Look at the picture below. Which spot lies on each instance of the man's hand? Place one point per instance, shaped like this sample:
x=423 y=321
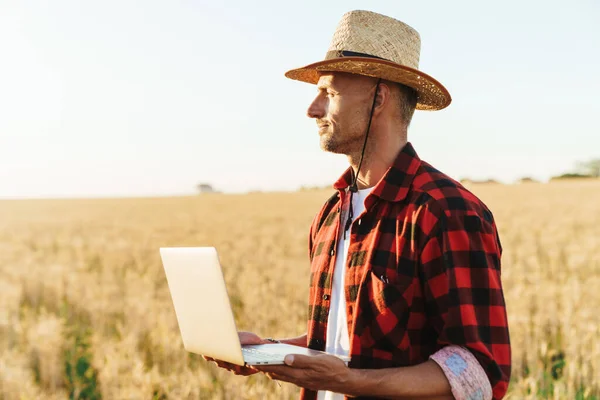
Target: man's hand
x=322 y=372
x=245 y=338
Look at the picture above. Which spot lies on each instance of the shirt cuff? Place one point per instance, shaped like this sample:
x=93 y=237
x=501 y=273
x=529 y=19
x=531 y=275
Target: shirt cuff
x=467 y=378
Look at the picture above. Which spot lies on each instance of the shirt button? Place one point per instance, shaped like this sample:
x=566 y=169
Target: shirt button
x=332 y=252
x=359 y=221
x=325 y=297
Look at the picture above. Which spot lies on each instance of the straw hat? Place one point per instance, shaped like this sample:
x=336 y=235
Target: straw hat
x=371 y=44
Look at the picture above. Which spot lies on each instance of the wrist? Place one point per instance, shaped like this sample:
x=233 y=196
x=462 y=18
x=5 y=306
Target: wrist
x=353 y=382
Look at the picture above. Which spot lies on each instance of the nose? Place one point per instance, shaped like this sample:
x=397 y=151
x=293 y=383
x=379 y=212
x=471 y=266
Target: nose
x=316 y=108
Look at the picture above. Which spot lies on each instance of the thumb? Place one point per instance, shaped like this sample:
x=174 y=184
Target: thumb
x=298 y=360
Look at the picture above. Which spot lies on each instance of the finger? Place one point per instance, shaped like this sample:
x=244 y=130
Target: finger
x=243 y=371
x=221 y=364
x=269 y=368
x=246 y=373
x=236 y=369
x=301 y=361
x=226 y=365
x=281 y=377
x=280 y=371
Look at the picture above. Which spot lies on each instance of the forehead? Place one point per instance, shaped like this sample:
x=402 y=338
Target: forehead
x=340 y=80
x=325 y=80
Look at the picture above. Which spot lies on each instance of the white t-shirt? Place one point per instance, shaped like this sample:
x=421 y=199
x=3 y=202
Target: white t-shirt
x=338 y=339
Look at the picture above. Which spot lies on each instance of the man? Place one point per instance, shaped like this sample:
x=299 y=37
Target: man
x=405 y=262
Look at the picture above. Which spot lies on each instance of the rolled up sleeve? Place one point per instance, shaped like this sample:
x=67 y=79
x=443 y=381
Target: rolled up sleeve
x=463 y=292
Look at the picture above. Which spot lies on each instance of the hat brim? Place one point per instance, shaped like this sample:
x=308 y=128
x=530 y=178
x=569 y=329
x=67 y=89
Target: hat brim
x=431 y=95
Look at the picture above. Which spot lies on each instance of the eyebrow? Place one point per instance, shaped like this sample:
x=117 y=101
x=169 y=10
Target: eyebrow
x=323 y=87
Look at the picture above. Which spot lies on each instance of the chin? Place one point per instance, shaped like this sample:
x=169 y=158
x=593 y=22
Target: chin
x=331 y=147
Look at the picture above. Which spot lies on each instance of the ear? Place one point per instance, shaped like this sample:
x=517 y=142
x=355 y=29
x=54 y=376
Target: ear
x=384 y=96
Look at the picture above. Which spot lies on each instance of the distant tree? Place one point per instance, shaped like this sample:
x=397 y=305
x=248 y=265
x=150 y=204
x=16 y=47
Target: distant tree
x=205 y=188
x=308 y=188
x=469 y=181
x=584 y=169
x=590 y=168
x=527 y=179
x=489 y=181
x=570 y=175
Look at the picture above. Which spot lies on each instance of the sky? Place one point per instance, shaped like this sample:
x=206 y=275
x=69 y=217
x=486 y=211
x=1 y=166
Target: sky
x=150 y=98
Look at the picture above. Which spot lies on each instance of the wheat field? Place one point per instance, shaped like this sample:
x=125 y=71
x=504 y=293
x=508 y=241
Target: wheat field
x=85 y=311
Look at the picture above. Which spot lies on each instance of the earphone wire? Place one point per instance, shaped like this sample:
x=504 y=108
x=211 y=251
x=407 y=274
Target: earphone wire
x=353 y=187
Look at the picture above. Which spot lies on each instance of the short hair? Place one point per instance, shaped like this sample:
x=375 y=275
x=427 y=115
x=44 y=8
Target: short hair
x=407 y=102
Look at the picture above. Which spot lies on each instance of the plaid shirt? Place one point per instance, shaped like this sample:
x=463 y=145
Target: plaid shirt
x=423 y=272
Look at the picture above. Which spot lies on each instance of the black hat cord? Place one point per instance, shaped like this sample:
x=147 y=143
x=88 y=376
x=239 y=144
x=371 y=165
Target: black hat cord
x=353 y=187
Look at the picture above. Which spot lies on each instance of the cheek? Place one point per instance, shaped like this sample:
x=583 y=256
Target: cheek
x=333 y=110
x=357 y=117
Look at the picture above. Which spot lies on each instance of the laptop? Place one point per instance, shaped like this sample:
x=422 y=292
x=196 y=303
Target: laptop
x=204 y=314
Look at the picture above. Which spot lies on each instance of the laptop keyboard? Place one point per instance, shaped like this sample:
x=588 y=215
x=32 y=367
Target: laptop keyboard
x=259 y=355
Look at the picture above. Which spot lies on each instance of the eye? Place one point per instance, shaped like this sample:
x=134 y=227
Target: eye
x=330 y=94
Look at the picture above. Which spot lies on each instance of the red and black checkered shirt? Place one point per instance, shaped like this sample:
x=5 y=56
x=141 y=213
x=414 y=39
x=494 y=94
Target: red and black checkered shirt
x=423 y=272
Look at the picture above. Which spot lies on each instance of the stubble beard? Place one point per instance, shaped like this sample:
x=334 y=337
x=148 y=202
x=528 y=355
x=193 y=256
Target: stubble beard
x=337 y=143
x=330 y=143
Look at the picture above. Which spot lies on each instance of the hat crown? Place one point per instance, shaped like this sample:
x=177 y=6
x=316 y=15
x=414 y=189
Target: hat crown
x=371 y=44
x=378 y=35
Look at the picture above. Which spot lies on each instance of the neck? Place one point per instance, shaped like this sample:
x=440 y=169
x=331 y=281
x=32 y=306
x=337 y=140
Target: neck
x=381 y=152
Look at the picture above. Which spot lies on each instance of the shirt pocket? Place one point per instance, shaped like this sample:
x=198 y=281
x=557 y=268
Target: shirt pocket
x=389 y=313
x=387 y=294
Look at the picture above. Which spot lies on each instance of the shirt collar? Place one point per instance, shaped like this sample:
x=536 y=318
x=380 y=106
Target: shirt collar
x=395 y=184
